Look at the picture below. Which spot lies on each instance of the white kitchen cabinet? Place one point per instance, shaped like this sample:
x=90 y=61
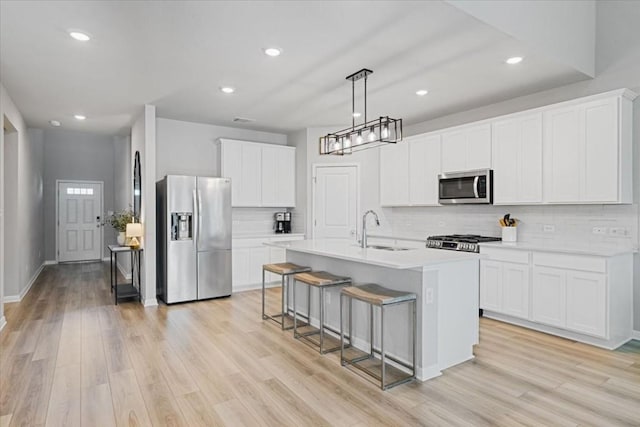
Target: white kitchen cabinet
x=394 y=174
x=516 y=147
x=587 y=150
x=409 y=172
x=467 y=148
x=504 y=287
x=586 y=302
x=262 y=175
x=250 y=254
x=548 y=304
x=278 y=176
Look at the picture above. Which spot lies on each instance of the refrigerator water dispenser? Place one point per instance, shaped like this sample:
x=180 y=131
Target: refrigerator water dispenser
x=181 y=226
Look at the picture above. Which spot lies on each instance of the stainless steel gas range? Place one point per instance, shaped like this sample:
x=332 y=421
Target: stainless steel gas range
x=459 y=242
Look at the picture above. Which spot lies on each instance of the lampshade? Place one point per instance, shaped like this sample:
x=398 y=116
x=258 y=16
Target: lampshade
x=134 y=229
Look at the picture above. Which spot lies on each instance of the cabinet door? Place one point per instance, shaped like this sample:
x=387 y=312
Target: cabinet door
x=276 y=255
x=491 y=285
x=270 y=176
x=562 y=150
x=506 y=154
x=257 y=258
x=478 y=150
x=599 y=126
x=586 y=303
x=549 y=296
x=240 y=267
x=454 y=151
x=394 y=174
x=286 y=177
x=515 y=290
x=250 y=193
x=231 y=167
x=530 y=159
x=424 y=167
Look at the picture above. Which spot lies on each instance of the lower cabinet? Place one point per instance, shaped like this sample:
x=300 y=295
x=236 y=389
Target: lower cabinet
x=504 y=287
x=549 y=296
x=249 y=254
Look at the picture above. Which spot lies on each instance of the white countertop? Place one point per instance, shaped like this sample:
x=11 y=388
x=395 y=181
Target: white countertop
x=350 y=251
x=413 y=238
x=585 y=249
x=264 y=235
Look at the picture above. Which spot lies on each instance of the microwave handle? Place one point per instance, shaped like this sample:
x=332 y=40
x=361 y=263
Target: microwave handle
x=475 y=186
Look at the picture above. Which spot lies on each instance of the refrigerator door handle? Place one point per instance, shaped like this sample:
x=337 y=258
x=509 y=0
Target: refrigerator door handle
x=199 y=219
x=196 y=224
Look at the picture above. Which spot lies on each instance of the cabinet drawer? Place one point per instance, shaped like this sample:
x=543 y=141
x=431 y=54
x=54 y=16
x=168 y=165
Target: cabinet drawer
x=573 y=262
x=508 y=255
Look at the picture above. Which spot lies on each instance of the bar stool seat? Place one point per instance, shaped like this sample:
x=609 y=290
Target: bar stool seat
x=378 y=296
x=284 y=270
x=320 y=280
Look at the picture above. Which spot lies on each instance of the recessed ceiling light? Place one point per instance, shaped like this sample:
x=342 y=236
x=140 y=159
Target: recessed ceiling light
x=422 y=92
x=514 y=60
x=356 y=114
x=55 y=123
x=79 y=36
x=80 y=117
x=227 y=89
x=272 y=51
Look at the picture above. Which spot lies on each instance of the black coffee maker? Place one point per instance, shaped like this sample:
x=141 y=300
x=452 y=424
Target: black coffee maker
x=282 y=222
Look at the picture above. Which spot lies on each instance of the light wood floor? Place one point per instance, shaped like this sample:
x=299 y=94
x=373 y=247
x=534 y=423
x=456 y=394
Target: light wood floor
x=68 y=356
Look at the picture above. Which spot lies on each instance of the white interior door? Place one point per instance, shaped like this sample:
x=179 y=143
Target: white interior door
x=79 y=215
x=335 y=202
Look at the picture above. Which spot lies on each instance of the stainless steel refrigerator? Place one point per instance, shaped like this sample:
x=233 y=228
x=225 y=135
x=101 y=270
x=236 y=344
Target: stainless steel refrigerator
x=194 y=238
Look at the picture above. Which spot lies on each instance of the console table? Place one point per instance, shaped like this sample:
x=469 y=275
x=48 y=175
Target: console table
x=129 y=289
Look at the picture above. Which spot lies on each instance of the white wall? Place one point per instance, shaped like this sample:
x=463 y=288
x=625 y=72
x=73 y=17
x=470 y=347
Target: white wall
x=123 y=184
x=29 y=207
x=74 y=155
x=187 y=148
x=143 y=139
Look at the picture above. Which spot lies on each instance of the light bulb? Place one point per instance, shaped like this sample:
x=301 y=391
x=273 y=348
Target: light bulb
x=359 y=138
x=372 y=135
x=347 y=142
x=385 y=131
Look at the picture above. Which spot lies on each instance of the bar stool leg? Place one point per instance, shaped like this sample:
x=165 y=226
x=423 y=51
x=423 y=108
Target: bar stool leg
x=295 y=311
x=321 y=320
x=384 y=370
x=350 y=320
x=341 y=333
x=415 y=336
x=282 y=294
x=371 y=327
x=263 y=296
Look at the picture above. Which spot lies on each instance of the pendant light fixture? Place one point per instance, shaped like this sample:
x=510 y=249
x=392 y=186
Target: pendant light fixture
x=368 y=134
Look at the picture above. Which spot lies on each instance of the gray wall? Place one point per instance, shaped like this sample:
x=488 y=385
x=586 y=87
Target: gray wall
x=186 y=148
x=76 y=156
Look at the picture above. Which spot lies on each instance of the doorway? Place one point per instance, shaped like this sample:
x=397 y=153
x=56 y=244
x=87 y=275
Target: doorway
x=79 y=210
x=336 y=199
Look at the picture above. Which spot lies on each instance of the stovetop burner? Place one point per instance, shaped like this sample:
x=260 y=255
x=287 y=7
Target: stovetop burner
x=459 y=242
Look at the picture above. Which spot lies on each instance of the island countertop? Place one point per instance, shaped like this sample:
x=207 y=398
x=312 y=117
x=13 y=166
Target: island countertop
x=351 y=251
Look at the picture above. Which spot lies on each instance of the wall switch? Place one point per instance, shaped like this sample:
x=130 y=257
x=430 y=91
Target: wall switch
x=428 y=296
x=618 y=231
x=549 y=228
x=599 y=230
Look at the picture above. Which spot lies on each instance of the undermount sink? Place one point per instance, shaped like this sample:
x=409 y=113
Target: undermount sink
x=387 y=248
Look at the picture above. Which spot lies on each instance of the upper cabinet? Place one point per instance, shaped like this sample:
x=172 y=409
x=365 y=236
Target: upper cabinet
x=587 y=150
x=516 y=147
x=262 y=175
x=409 y=172
x=467 y=148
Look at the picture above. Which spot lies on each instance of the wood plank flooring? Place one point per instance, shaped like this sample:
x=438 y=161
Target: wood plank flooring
x=68 y=356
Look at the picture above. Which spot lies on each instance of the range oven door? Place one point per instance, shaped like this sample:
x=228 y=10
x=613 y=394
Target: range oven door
x=466 y=187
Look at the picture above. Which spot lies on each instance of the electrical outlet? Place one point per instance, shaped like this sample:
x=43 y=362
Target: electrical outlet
x=599 y=230
x=549 y=228
x=429 y=296
x=618 y=231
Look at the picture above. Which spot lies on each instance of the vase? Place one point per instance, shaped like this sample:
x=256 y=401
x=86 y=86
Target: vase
x=121 y=238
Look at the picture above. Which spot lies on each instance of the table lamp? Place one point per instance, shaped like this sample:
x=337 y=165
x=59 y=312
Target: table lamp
x=134 y=231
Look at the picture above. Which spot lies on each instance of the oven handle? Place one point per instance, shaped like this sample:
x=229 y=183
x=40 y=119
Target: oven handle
x=475 y=186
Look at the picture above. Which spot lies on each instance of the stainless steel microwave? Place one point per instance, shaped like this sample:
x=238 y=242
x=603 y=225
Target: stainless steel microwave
x=474 y=186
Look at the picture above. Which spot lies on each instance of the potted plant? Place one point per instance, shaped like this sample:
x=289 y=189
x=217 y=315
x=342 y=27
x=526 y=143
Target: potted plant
x=119 y=220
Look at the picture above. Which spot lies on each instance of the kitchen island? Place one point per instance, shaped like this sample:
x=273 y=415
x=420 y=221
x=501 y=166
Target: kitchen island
x=446 y=284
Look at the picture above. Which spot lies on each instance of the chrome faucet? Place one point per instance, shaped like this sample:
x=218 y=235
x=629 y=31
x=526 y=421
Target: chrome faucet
x=363 y=242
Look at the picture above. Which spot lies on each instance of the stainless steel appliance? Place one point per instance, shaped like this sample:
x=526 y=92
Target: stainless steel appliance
x=459 y=242
x=194 y=238
x=282 y=222
x=474 y=186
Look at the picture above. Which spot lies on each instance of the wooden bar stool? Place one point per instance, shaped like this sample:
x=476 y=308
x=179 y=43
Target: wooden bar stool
x=376 y=295
x=320 y=280
x=284 y=269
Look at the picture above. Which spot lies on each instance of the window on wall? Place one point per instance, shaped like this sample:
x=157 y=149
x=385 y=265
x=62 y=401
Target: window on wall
x=80 y=191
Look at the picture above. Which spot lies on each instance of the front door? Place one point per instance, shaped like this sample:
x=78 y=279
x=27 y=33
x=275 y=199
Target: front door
x=335 y=202
x=79 y=221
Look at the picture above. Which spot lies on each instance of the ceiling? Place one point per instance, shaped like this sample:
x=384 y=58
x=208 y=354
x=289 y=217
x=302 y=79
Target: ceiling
x=176 y=55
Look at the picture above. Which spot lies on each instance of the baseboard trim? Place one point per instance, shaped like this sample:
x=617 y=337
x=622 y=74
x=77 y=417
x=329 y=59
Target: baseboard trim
x=635 y=335
x=50 y=262
x=3 y=322
x=18 y=298
x=150 y=302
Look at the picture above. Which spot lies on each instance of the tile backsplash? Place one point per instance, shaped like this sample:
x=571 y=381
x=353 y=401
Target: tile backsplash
x=256 y=220
x=554 y=224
